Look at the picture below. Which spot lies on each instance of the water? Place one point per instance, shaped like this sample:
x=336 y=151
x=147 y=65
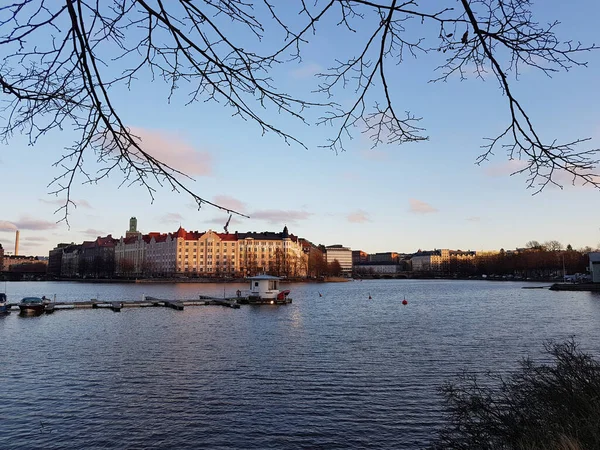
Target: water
x=337 y=371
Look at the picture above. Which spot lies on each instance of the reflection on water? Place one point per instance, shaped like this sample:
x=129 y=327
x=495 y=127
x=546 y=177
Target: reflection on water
x=331 y=371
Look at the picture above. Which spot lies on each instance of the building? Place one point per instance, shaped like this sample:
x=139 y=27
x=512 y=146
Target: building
x=69 y=265
x=55 y=260
x=316 y=265
x=23 y=263
x=595 y=266
x=377 y=268
x=343 y=255
x=440 y=260
x=280 y=254
x=359 y=257
x=97 y=258
x=387 y=257
x=211 y=254
x=1 y=258
x=132 y=231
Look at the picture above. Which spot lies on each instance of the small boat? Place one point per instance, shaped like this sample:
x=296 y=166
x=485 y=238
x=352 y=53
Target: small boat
x=264 y=289
x=4 y=308
x=32 y=305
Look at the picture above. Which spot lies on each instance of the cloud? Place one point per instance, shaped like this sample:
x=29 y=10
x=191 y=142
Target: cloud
x=93 y=232
x=279 y=216
x=7 y=226
x=230 y=203
x=306 y=71
x=419 y=207
x=171 y=217
x=358 y=216
x=374 y=154
x=61 y=202
x=174 y=151
x=507 y=168
x=27 y=223
x=34 y=239
x=473 y=219
x=223 y=220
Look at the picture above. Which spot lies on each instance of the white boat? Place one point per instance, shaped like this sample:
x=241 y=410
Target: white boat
x=265 y=289
x=4 y=308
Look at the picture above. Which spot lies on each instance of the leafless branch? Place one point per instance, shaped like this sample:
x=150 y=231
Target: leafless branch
x=59 y=58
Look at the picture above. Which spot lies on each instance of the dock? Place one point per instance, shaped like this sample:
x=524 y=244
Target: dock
x=147 y=302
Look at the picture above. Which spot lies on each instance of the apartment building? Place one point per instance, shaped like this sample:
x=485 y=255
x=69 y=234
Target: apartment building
x=343 y=255
x=209 y=253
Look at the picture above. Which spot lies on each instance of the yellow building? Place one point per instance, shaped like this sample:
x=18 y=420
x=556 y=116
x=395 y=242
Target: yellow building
x=212 y=254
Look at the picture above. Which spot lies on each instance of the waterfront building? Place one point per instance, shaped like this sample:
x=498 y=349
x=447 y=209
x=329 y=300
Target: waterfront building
x=55 y=259
x=69 y=265
x=11 y=262
x=1 y=258
x=359 y=257
x=97 y=258
x=387 y=257
x=343 y=255
x=377 y=268
x=211 y=254
x=280 y=254
x=595 y=266
x=439 y=260
x=160 y=256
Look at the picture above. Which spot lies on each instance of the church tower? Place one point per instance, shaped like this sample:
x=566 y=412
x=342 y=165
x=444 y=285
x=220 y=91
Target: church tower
x=133 y=231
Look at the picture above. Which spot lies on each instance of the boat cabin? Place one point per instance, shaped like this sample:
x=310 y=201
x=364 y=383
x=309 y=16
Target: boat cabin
x=264 y=287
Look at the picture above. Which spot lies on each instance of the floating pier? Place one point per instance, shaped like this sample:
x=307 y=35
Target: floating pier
x=116 y=306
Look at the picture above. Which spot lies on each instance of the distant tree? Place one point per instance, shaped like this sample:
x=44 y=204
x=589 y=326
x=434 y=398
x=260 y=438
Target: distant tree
x=334 y=268
x=569 y=248
x=553 y=246
x=534 y=245
x=541 y=406
x=64 y=64
x=126 y=267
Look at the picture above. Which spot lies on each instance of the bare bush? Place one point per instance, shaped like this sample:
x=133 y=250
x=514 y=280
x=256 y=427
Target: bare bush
x=550 y=406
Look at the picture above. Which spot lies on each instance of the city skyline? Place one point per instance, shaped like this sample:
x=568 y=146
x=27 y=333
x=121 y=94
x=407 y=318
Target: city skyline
x=403 y=198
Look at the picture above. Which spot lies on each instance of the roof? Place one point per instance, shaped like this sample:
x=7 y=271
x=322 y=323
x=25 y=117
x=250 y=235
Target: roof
x=264 y=277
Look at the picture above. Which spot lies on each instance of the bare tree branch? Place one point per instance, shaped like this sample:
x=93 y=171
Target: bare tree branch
x=58 y=71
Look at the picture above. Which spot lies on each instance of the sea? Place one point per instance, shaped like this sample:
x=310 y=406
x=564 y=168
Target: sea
x=344 y=366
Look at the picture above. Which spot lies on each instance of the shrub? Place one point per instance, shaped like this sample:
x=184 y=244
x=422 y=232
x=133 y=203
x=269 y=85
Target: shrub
x=554 y=406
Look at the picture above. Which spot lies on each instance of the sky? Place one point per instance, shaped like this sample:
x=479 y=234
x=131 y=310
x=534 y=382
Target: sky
x=401 y=198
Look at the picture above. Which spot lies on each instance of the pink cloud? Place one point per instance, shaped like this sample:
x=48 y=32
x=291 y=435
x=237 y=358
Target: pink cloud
x=230 y=203
x=27 y=223
x=93 y=232
x=223 y=220
x=506 y=168
x=171 y=217
x=358 y=216
x=173 y=150
x=5 y=225
x=278 y=216
x=419 y=207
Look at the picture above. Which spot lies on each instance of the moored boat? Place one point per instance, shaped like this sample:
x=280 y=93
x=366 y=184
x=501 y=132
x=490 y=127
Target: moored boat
x=32 y=305
x=264 y=289
x=4 y=308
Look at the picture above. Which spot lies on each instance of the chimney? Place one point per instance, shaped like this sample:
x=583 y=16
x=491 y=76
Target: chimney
x=17 y=243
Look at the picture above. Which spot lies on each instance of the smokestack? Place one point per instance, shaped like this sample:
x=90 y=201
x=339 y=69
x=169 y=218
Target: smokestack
x=17 y=243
